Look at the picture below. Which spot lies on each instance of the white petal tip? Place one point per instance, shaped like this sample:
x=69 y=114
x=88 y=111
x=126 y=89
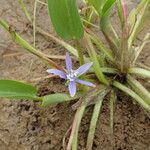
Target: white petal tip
x=47 y=70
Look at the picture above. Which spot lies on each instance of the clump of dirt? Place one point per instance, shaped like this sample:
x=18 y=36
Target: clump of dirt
x=26 y=125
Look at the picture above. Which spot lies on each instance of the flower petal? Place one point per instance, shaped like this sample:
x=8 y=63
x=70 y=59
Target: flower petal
x=83 y=69
x=68 y=62
x=57 y=72
x=85 y=83
x=72 y=88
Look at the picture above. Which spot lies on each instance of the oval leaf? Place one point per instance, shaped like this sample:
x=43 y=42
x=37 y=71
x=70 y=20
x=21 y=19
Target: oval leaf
x=17 y=90
x=55 y=98
x=65 y=18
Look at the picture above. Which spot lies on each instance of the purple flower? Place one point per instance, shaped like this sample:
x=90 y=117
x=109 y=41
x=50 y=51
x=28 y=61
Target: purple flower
x=72 y=76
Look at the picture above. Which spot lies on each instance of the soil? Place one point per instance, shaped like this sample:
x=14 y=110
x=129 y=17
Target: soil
x=25 y=125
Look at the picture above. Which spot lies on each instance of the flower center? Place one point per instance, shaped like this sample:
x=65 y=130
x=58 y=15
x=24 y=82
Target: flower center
x=72 y=75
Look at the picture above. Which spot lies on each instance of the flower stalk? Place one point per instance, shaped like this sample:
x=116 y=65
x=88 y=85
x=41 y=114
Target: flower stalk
x=95 y=61
x=23 y=43
x=125 y=57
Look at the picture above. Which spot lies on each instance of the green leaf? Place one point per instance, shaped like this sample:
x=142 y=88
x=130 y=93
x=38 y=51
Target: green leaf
x=17 y=90
x=138 y=99
x=93 y=123
x=65 y=18
x=105 y=23
x=94 y=119
x=24 y=8
x=107 y=7
x=113 y=99
x=23 y=43
x=137 y=19
x=139 y=71
x=93 y=56
x=139 y=89
x=55 y=98
x=102 y=47
x=73 y=140
x=97 y=4
x=106 y=26
x=135 y=13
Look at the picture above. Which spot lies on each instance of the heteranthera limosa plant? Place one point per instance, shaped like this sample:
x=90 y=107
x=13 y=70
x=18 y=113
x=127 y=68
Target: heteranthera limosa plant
x=114 y=65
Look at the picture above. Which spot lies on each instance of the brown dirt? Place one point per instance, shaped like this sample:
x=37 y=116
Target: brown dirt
x=25 y=125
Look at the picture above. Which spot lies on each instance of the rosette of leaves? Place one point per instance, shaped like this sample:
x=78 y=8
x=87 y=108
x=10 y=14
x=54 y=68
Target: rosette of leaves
x=115 y=67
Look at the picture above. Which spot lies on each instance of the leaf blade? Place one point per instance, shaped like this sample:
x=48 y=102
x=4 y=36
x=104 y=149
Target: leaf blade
x=139 y=88
x=97 y=4
x=132 y=94
x=17 y=90
x=54 y=99
x=139 y=71
x=65 y=18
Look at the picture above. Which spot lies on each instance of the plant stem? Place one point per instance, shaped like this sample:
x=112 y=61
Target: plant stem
x=106 y=26
x=89 y=23
x=43 y=3
x=101 y=46
x=132 y=94
x=39 y=98
x=28 y=47
x=140 y=13
x=137 y=53
x=24 y=8
x=75 y=128
x=67 y=46
x=80 y=54
x=96 y=111
x=34 y=23
x=96 y=64
x=113 y=98
x=70 y=48
x=125 y=60
x=81 y=61
x=139 y=88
